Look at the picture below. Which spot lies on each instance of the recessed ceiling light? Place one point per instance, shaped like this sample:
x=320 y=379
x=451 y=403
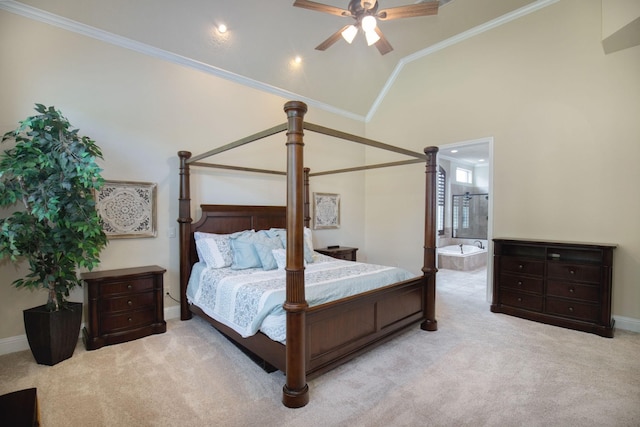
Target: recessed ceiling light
x=454 y=151
x=298 y=59
x=222 y=28
x=481 y=160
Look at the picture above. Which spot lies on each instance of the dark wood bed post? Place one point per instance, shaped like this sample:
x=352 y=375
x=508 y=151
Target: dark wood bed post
x=295 y=392
x=306 y=210
x=429 y=270
x=184 y=219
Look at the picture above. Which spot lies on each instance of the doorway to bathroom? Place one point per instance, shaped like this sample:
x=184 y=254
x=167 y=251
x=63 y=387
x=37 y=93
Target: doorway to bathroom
x=465 y=213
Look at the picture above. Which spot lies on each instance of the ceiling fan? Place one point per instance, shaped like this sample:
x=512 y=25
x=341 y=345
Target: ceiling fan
x=366 y=13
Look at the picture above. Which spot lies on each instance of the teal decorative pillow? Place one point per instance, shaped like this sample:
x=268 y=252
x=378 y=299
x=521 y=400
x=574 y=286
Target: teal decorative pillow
x=264 y=245
x=244 y=254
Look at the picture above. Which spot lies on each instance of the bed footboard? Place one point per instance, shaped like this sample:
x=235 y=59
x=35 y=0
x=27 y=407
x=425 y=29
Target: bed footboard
x=341 y=330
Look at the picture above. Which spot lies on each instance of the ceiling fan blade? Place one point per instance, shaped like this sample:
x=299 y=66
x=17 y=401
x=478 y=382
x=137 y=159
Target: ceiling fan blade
x=331 y=40
x=320 y=7
x=383 y=44
x=410 y=11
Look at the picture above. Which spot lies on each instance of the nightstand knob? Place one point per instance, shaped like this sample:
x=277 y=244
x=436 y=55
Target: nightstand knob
x=572 y=271
x=519 y=282
x=570 y=309
x=520 y=266
x=130 y=319
x=519 y=299
x=571 y=290
x=129 y=303
x=129 y=286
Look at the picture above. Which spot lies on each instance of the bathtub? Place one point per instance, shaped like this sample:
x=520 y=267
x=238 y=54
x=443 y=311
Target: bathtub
x=469 y=258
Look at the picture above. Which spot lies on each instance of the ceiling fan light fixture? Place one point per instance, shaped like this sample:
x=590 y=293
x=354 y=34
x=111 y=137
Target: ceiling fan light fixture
x=368 y=24
x=350 y=33
x=372 y=37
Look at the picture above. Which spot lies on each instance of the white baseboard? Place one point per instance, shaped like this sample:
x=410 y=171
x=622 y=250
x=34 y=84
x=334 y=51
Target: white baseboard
x=627 y=323
x=20 y=343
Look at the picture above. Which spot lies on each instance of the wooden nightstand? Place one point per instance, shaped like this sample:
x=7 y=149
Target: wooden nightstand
x=123 y=305
x=342 y=252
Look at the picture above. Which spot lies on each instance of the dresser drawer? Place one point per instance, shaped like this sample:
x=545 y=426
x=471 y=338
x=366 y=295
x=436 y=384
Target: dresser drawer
x=127 y=320
x=127 y=302
x=522 y=266
x=577 y=310
x=522 y=283
x=573 y=290
x=522 y=300
x=134 y=285
x=580 y=272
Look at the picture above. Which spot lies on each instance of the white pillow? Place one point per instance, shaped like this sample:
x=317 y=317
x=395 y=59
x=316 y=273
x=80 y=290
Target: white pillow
x=215 y=249
x=280 y=256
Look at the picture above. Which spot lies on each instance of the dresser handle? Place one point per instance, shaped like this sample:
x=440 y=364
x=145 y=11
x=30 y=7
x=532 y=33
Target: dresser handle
x=129 y=286
x=130 y=320
x=519 y=282
x=570 y=309
x=572 y=271
x=520 y=266
x=571 y=290
x=129 y=303
x=519 y=299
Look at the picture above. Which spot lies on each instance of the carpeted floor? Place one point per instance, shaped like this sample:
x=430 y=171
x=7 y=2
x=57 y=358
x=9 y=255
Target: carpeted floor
x=478 y=369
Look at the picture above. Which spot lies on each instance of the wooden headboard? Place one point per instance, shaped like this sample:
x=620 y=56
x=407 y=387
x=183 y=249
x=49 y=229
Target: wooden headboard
x=226 y=219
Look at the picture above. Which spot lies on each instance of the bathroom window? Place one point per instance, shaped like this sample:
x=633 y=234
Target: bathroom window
x=464 y=176
x=442 y=181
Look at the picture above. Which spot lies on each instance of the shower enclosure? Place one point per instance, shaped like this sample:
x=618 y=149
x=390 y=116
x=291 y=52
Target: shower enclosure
x=470 y=216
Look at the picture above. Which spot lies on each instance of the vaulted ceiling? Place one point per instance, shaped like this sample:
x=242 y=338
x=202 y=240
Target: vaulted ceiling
x=264 y=37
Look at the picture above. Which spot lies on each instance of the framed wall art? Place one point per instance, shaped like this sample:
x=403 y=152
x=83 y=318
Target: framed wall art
x=127 y=209
x=326 y=211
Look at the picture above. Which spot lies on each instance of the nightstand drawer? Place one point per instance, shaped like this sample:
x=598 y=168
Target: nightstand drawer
x=522 y=283
x=127 y=320
x=127 y=302
x=572 y=290
x=127 y=286
x=342 y=252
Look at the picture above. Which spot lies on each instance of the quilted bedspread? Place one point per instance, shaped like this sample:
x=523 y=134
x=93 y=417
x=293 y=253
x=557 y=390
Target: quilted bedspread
x=251 y=300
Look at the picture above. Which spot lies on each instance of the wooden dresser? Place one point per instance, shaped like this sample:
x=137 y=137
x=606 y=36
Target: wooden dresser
x=341 y=252
x=123 y=305
x=565 y=284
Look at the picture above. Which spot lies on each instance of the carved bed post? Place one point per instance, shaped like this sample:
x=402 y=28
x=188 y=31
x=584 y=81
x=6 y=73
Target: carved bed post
x=429 y=270
x=306 y=210
x=184 y=219
x=295 y=392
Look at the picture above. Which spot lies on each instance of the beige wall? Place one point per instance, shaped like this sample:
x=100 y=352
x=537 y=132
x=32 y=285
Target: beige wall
x=564 y=118
x=141 y=111
x=562 y=114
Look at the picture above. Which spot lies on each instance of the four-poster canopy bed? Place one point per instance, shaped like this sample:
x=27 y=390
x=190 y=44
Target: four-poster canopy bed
x=320 y=337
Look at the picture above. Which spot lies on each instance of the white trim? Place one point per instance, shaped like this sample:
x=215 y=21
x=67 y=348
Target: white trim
x=627 y=323
x=105 y=36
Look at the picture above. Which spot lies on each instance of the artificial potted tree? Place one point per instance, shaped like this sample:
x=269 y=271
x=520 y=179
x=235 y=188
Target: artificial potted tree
x=52 y=171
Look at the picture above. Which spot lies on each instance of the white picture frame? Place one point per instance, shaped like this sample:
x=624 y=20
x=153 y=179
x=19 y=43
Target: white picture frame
x=326 y=211
x=127 y=209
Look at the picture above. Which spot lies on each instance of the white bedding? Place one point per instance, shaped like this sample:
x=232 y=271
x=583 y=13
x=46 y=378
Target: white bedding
x=251 y=300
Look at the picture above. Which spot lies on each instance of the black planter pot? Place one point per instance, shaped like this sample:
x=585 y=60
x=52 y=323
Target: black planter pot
x=53 y=335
